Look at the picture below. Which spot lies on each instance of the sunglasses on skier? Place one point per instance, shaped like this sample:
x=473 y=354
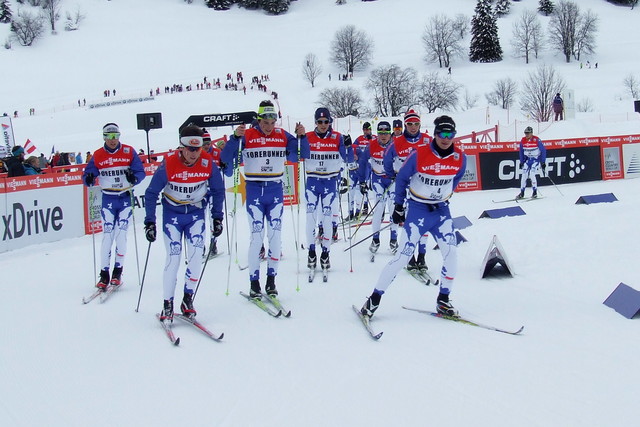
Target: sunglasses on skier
x=446 y=135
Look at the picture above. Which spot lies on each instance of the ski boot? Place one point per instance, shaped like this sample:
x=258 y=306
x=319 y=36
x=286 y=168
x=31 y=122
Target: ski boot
x=443 y=306
x=104 y=280
x=375 y=245
x=371 y=305
x=166 y=315
x=187 y=306
x=520 y=195
x=255 y=292
x=312 y=259
x=270 y=287
x=325 y=264
x=116 y=276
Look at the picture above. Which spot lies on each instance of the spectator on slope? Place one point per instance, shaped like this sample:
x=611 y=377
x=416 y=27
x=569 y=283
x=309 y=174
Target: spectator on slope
x=31 y=166
x=558 y=107
x=14 y=163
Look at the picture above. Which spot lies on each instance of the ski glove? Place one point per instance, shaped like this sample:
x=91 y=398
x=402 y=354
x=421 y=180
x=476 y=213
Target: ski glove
x=130 y=177
x=89 y=179
x=347 y=140
x=398 y=215
x=150 y=231
x=363 y=187
x=522 y=165
x=217 y=227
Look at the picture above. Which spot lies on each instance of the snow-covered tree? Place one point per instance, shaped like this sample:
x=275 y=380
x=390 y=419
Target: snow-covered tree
x=538 y=91
x=545 y=7
x=572 y=32
x=5 y=12
x=503 y=7
x=393 y=89
x=341 y=101
x=250 y=4
x=219 y=4
x=503 y=93
x=275 y=7
x=485 y=43
x=351 y=48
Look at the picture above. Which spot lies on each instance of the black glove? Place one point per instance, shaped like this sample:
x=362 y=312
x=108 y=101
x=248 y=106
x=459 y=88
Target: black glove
x=89 y=179
x=217 y=227
x=543 y=166
x=347 y=140
x=398 y=214
x=150 y=231
x=522 y=164
x=363 y=187
x=130 y=177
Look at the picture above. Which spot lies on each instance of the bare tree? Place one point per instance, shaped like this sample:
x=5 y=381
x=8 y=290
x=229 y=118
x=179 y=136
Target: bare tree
x=586 y=34
x=527 y=35
x=52 y=13
x=571 y=32
x=341 y=101
x=562 y=28
x=438 y=92
x=538 y=91
x=393 y=89
x=311 y=69
x=470 y=99
x=584 y=106
x=27 y=28
x=441 y=40
x=351 y=48
x=632 y=86
x=504 y=93
x=461 y=24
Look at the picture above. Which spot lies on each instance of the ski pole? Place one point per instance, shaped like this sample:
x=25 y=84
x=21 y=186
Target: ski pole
x=554 y=184
x=135 y=235
x=144 y=273
x=367 y=237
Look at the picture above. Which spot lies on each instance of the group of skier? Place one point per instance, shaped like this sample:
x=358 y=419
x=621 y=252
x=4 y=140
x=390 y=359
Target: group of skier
x=409 y=173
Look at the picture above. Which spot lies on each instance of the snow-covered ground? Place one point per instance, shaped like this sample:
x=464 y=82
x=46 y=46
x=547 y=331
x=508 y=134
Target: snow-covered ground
x=63 y=363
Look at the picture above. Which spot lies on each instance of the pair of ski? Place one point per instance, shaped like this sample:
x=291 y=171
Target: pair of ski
x=312 y=274
x=104 y=294
x=422 y=275
x=274 y=307
x=168 y=328
x=366 y=321
x=519 y=200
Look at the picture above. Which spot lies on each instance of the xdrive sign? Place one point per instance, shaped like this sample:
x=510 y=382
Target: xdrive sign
x=27 y=221
x=502 y=169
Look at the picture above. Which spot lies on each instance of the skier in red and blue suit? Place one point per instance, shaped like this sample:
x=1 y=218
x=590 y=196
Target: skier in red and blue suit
x=428 y=178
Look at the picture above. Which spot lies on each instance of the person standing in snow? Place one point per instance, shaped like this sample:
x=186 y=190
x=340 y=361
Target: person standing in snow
x=558 y=107
x=327 y=152
x=119 y=169
x=533 y=156
x=264 y=150
x=383 y=186
x=188 y=179
x=357 y=197
x=428 y=179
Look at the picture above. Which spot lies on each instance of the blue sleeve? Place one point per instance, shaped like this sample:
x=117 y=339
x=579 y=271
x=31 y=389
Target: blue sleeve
x=157 y=184
x=522 y=159
x=342 y=149
x=137 y=168
x=405 y=173
x=90 y=168
x=460 y=174
x=229 y=155
x=216 y=192
x=387 y=161
x=292 y=148
x=363 y=163
x=543 y=152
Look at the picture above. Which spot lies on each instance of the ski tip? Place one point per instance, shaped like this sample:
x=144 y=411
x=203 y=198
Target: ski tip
x=377 y=336
x=287 y=314
x=278 y=314
x=177 y=342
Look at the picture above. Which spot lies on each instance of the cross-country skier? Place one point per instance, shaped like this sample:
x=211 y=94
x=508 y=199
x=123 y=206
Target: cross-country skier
x=395 y=156
x=327 y=152
x=264 y=150
x=357 y=198
x=430 y=174
x=118 y=168
x=533 y=156
x=383 y=186
x=188 y=179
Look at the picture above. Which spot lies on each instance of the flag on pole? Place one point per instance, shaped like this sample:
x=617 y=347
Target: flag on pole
x=53 y=149
x=29 y=146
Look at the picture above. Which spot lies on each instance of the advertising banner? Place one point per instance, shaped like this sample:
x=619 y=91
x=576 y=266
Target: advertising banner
x=7 y=136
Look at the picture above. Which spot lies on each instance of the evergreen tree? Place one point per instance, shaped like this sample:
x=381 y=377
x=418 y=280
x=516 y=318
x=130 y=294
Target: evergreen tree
x=219 y=4
x=250 y=4
x=275 y=7
x=503 y=7
x=485 y=43
x=545 y=7
x=5 y=12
